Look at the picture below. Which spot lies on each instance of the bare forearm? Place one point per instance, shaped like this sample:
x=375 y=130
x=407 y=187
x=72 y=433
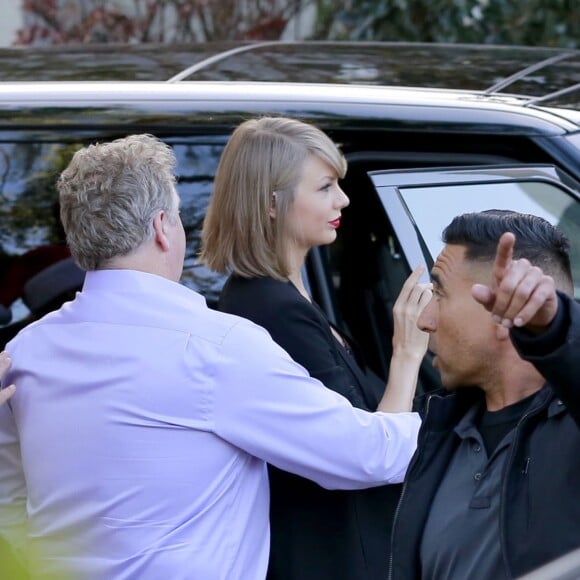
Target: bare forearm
x=409 y=345
x=402 y=383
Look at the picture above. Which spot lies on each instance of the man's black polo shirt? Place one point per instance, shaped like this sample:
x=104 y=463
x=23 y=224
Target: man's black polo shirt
x=461 y=539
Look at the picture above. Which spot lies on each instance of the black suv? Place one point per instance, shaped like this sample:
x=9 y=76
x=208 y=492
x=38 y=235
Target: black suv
x=430 y=131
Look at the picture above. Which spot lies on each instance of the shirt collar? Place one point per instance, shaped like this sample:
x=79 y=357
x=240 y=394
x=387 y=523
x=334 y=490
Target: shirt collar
x=128 y=281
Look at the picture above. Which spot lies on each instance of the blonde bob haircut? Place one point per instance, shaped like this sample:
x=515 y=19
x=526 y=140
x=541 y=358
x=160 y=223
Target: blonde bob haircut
x=261 y=165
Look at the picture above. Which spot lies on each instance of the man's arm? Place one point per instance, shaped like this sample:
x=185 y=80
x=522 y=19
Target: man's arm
x=12 y=486
x=554 y=352
x=545 y=324
x=521 y=294
x=6 y=392
x=266 y=404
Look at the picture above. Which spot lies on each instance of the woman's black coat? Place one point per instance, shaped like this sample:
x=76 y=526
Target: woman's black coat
x=317 y=534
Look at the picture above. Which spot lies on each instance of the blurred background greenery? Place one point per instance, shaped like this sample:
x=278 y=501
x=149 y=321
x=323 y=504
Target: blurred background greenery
x=507 y=22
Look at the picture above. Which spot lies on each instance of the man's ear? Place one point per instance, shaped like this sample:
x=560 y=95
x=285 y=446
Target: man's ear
x=159 y=224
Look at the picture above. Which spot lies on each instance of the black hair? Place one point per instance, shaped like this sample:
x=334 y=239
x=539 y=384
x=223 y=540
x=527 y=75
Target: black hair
x=537 y=240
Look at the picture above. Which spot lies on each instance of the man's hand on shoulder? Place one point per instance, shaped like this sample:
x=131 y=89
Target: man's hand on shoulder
x=6 y=392
x=521 y=294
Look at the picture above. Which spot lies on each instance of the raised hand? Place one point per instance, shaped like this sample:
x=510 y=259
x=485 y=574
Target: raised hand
x=413 y=297
x=6 y=392
x=409 y=345
x=520 y=294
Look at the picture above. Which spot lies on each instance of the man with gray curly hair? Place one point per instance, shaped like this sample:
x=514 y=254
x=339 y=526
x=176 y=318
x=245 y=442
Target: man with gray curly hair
x=136 y=444
x=113 y=198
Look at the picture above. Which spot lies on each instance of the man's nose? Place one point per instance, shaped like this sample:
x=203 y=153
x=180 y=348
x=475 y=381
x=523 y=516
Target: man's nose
x=427 y=321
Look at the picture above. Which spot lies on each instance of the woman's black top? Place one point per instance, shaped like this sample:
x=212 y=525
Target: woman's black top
x=317 y=534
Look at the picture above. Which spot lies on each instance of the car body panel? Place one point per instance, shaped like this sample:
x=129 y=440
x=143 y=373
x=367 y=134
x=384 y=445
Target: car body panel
x=457 y=106
x=448 y=66
x=206 y=104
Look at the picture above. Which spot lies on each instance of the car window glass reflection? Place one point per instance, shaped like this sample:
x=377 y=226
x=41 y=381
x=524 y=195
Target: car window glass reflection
x=36 y=272
x=196 y=166
x=434 y=207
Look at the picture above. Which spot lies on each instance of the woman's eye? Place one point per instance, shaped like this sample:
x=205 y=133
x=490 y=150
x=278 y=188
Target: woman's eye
x=326 y=187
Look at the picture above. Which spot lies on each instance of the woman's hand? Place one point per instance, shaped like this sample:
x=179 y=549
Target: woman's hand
x=409 y=345
x=408 y=340
x=6 y=392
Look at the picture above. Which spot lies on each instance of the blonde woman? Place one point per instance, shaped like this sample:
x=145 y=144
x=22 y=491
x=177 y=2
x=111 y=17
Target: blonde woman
x=276 y=195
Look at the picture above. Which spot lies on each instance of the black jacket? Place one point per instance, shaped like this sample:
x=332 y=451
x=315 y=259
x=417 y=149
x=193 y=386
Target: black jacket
x=540 y=501
x=317 y=534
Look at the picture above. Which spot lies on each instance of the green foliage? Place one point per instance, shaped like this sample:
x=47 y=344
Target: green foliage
x=508 y=22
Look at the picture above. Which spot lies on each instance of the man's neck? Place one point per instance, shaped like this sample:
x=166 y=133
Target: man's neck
x=517 y=383
x=141 y=261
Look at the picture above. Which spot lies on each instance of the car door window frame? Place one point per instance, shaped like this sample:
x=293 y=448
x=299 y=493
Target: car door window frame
x=390 y=183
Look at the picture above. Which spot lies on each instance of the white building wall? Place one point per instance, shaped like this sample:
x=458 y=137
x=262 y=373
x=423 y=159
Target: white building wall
x=10 y=21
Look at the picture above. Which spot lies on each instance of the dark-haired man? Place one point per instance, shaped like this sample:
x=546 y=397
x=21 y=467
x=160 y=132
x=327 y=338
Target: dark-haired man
x=492 y=491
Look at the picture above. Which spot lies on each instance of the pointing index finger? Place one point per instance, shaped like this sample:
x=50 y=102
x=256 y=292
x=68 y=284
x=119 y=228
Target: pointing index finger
x=503 y=256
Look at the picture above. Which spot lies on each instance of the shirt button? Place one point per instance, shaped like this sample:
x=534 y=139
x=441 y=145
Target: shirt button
x=477 y=476
x=477 y=448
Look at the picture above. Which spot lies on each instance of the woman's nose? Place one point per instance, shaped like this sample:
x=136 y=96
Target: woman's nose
x=342 y=198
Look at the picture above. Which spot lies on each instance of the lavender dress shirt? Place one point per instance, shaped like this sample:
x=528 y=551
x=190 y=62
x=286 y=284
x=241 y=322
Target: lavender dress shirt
x=136 y=444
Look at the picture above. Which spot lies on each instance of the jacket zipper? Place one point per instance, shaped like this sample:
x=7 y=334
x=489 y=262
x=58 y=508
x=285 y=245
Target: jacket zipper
x=507 y=469
x=400 y=502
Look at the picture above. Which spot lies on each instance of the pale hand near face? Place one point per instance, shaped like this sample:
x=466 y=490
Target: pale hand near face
x=407 y=335
x=6 y=392
x=521 y=294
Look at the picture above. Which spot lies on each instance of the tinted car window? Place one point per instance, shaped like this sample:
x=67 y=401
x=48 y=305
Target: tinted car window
x=31 y=238
x=432 y=208
x=197 y=163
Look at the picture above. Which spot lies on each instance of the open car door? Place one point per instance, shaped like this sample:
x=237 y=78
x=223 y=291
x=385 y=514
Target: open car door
x=394 y=223
x=421 y=203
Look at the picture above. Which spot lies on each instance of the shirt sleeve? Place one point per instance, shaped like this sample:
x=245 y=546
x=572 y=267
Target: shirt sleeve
x=555 y=353
x=268 y=405
x=12 y=483
x=302 y=333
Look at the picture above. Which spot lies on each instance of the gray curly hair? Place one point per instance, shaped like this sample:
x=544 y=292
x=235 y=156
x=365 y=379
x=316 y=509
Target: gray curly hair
x=109 y=195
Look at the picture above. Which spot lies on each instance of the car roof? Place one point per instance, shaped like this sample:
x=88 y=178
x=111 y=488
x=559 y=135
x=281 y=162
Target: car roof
x=531 y=71
x=214 y=104
x=492 y=88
